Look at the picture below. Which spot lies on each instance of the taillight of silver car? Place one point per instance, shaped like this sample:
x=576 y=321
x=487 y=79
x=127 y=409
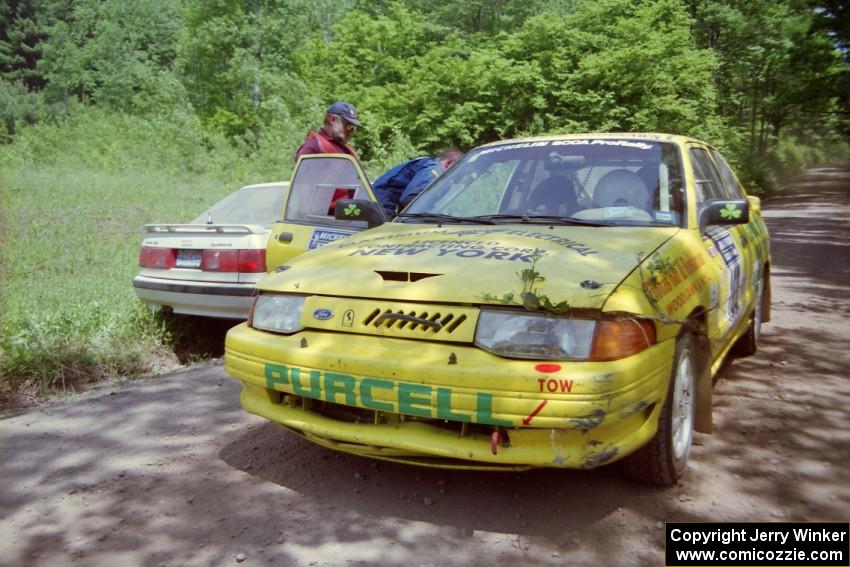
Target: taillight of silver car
x=160 y=258
x=243 y=261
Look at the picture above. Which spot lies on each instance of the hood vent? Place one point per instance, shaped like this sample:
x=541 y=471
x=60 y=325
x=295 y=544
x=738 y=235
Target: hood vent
x=404 y=276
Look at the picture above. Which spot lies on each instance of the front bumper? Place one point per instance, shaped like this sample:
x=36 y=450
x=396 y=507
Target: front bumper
x=418 y=403
x=207 y=299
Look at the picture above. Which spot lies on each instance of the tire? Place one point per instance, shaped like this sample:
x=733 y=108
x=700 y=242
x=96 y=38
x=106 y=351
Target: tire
x=662 y=461
x=748 y=343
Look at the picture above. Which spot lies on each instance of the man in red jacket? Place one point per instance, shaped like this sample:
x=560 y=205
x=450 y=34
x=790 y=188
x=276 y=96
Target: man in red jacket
x=340 y=123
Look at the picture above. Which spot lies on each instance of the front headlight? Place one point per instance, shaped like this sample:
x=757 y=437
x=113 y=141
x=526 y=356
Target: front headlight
x=277 y=313
x=535 y=337
x=540 y=337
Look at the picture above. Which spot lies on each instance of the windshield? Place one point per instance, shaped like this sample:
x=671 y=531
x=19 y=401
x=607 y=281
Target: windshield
x=574 y=181
x=249 y=205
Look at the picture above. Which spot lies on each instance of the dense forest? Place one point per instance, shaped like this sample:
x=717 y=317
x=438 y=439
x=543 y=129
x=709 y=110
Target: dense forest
x=767 y=81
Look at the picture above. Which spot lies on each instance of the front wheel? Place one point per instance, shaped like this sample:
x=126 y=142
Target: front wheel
x=662 y=461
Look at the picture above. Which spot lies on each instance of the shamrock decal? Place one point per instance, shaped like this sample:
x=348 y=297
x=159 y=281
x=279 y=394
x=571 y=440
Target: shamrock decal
x=730 y=211
x=353 y=209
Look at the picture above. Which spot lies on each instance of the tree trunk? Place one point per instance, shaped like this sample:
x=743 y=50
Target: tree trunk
x=753 y=112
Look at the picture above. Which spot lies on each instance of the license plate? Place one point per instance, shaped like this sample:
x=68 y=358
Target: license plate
x=188 y=259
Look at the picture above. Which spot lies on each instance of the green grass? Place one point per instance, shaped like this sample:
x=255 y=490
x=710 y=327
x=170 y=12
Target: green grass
x=70 y=249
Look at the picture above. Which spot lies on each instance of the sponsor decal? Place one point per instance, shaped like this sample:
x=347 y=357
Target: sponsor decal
x=561 y=143
x=463 y=248
x=686 y=295
x=552 y=386
x=673 y=274
x=382 y=395
x=734 y=274
x=322 y=236
x=348 y=318
x=730 y=211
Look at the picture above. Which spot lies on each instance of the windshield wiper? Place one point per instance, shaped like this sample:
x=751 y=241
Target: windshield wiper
x=545 y=219
x=446 y=218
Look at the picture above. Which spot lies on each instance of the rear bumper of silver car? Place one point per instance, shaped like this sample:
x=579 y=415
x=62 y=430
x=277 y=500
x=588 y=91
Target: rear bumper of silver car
x=208 y=299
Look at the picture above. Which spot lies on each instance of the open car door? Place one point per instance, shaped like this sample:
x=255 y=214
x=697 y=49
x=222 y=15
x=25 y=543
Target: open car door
x=308 y=221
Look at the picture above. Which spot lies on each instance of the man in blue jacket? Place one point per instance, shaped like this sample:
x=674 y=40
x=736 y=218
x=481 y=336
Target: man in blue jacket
x=397 y=187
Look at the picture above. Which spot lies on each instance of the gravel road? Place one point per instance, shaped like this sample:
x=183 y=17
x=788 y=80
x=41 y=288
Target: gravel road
x=171 y=471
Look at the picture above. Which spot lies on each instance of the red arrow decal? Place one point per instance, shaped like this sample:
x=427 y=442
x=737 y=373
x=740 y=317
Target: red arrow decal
x=528 y=419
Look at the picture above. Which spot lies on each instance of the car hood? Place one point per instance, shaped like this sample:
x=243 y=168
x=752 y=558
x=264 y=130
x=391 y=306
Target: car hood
x=472 y=264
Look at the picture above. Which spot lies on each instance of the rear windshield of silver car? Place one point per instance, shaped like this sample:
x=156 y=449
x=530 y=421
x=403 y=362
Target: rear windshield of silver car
x=606 y=181
x=249 y=205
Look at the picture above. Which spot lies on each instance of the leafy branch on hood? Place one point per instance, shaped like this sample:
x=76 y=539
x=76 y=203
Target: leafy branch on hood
x=530 y=296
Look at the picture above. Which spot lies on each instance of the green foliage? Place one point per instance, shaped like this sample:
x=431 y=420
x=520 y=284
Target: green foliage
x=236 y=62
x=22 y=31
x=108 y=48
x=610 y=65
x=778 y=76
x=174 y=144
x=657 y=267
x=617 y=66
x=529 y=297
x=17 y=107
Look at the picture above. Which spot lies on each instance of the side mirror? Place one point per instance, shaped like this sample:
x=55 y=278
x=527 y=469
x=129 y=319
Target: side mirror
x=725 y=212
x=755 y=204
x=360 y=209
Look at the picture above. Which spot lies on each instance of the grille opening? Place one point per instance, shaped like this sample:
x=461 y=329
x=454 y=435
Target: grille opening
x=392 y=322
x=414 y=324
x=402 y=324
x=371 y=316
x=457 y=322
x=350 y=414
x=447 y=321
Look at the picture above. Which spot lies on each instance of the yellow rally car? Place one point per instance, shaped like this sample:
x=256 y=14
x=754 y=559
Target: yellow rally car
x=549 y=302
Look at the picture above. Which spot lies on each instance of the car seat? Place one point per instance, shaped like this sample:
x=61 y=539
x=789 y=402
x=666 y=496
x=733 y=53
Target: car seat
x=622 y=188
x=555 y=195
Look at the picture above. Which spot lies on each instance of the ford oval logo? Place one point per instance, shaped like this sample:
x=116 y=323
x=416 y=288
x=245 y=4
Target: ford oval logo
x=323 y=314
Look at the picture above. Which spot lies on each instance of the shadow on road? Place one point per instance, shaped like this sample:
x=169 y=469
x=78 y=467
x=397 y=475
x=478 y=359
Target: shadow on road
x=197 y=338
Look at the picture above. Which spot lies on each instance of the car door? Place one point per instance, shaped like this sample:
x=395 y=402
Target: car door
x=307 y=219
x=726 y=246
x=752 y=236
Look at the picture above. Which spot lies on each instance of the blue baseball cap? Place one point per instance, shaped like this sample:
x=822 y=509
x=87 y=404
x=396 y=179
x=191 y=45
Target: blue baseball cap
x=346 y=111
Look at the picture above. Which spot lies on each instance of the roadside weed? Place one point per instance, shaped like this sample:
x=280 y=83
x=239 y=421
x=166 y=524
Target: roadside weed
x=70 y=250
